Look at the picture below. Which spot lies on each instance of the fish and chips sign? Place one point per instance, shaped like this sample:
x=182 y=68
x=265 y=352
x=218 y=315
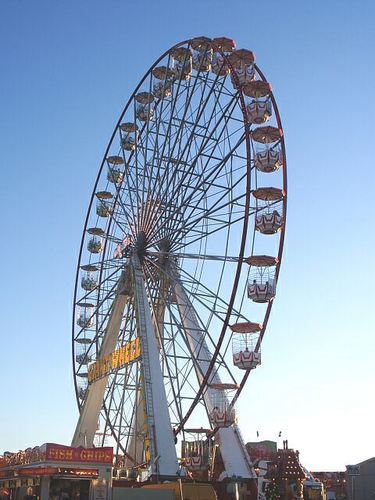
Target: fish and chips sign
x=61 y=453
x=51 y=452
x=115 y=360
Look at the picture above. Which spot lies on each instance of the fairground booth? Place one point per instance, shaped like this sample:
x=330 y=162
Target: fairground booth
x=55 y=471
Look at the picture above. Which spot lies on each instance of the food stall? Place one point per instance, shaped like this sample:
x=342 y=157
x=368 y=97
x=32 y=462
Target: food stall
x=54 y=471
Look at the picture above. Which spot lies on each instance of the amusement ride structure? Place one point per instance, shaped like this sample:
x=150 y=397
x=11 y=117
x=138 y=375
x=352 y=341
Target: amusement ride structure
x=179 y=263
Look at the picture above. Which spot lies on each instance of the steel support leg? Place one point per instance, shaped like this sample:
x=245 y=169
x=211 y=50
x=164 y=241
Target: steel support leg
x=232 y=447
x=162 y=447
x=89 y=416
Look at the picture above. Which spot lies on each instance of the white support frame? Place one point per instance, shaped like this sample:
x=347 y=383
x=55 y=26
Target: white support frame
x=162 y=442
x=232 y=447
x=89 y=416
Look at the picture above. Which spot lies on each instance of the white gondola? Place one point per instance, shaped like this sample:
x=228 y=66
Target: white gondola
x=129 y=136
x=115 y=175
x=85 y=317
x=268 y=160
x=104 y=208
x=145 y=108
x=202 y=60
x=269 y=223
x=85 y=322
x=129 y=141
x=219 y=66
x=262 y=283
x=82 y=392
x=88 y=282
x=222 y=417
x=261 y=291
x=144 y=112
x=182 y=63
x=222 y=413
x=162 y=90
x=245 y=339
x=83 y=358
x=89 y=278
x=95 y=245
x=182 y=69
x=270 y=206
x=246 y=359
x=164 y=77
x=245 y=74
x=196 y=454
x=259 y=112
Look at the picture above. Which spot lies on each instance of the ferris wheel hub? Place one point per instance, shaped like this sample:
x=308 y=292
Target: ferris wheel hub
x=140 y=244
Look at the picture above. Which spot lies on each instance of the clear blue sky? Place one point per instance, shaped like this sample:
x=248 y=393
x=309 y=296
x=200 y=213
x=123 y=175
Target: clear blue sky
x=68 y=67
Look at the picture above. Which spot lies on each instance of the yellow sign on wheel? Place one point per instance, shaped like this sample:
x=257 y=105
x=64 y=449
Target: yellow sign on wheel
x=115 y=360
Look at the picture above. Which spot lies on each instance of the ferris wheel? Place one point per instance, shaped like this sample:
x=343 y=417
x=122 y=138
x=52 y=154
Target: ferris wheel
x=179 y=261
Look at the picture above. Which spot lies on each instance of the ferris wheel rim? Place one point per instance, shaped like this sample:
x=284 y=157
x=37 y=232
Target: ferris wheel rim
x=244 y=236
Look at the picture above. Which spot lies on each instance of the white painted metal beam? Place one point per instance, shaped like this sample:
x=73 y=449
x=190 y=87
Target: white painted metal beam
x=89 y=416
x=232 y=447
x=162 y=446
x=139 y=421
